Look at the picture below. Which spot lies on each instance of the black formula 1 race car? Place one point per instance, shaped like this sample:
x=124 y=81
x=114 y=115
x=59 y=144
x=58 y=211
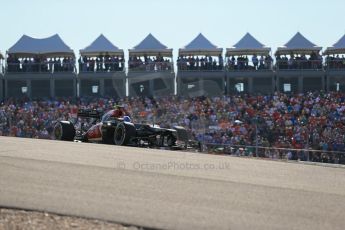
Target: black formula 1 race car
x=108 y=129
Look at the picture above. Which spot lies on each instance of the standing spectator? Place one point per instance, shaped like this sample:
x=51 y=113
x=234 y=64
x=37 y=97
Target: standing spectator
x=255 y=61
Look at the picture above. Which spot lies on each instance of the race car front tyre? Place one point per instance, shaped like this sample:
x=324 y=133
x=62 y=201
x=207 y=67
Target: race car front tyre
x=64 y=130
x=123 y=133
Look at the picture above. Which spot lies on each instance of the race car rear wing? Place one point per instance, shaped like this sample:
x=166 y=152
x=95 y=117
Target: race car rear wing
x=90 y=113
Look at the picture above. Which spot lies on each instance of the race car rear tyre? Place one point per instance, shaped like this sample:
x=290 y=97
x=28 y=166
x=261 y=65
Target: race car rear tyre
x=123 y=133
x=64 y=130
x=171 y=140
x=182 y=135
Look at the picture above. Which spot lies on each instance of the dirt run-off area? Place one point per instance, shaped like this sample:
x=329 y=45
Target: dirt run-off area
x=13 y=219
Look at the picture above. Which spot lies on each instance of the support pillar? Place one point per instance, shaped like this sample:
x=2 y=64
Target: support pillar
x=1 y=88
x=151 y=87
x=278 y=84
x=75 y=88
x=179 y=86
x=300 y=84
x=274 y=86
x=28 y=85
x=323 y=83
x=327 y=83
x=52 y=88
x=6 y=88
x=250 y=85
x=201 y=85
x=101 y=87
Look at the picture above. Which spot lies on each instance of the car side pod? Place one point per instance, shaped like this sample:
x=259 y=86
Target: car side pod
x=64 y=130
x=123 y=133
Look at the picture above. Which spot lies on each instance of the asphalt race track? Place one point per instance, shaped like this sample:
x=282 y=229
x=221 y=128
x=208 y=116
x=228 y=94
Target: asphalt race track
x=169 y=190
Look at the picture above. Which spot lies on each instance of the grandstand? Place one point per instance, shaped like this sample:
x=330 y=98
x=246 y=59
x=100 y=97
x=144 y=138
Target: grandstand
x=40 y=68
x=200 y=69
x=101 y=69
x=150 y=69
x=334 y=66
x=46 y=68
x=243 y=74
x=299 y=66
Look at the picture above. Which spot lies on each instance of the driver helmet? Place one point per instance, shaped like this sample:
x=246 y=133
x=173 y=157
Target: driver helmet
x=127 y=119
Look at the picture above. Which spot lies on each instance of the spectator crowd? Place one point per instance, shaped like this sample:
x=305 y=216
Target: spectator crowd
x=302 y=61
x=149 y=63
x=39 y=64
x=256 y=63
x=307 y=126
x=110 y=63
x=200 y=63
x=212 y=63
x=335 y=62
x=101 y=63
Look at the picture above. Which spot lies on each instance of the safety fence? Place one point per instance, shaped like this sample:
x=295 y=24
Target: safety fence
x=275 y=153
x=212 y=138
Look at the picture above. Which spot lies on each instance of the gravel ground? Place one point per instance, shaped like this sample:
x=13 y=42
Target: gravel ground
x=12 y=219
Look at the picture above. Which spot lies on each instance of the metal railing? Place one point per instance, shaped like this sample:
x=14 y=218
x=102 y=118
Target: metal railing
x=52 y=67
x=150 y=66
x=45 y=67
x=296 y=64
x=183 y=65
x=335 y=64
x=94 y=66
x=234 y=65
x=276 y=153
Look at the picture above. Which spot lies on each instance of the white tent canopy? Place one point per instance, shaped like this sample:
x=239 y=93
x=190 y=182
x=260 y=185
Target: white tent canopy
x=248 y=45
x=298 y=44
x=101 y=46
x=150 y=46
x=200 y=46
x=51 y=46
x=337 y=48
